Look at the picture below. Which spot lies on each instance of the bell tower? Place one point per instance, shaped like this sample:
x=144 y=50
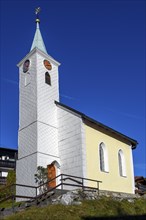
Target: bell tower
x=38 y=132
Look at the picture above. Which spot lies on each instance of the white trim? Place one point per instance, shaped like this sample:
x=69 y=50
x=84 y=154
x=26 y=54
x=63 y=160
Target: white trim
x=47 y=56
x=132 y=170
x=84 y=155
x=70 y=111
x=56 y=163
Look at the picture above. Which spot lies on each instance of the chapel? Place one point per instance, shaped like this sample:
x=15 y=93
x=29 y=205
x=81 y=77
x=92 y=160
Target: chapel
x=60 y=138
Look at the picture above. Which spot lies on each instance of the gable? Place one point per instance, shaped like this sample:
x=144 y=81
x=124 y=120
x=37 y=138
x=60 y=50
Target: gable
x=97 y=125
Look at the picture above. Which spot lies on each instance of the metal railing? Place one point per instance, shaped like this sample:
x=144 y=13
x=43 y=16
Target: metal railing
x=3 y=180
x=79 y=182
x=7 y=163
x=63 y=180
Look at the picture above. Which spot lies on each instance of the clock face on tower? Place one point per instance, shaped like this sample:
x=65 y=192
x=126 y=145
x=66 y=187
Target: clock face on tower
x=26 y=66
x=47 y=64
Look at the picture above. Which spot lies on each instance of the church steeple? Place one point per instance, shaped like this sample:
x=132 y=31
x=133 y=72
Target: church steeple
x=38 y=114
x=38 y=40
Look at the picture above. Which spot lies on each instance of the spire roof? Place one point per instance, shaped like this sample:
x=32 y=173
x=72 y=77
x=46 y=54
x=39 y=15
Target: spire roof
x=38 y=40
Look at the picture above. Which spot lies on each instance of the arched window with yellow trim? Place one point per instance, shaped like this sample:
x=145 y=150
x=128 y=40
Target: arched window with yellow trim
x=103 y=157
x=122 y=166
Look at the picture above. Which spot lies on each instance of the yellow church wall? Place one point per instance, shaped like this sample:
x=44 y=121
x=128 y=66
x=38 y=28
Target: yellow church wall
x=111 y=180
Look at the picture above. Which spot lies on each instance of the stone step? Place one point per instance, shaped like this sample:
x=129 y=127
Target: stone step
x=41 y=201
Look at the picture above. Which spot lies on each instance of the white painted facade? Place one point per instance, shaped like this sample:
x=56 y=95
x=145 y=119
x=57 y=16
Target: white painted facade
x=48 y=131
x=38 y=131
x=132 y=169
x=71 y=142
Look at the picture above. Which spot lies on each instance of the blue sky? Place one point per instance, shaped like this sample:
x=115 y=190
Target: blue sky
x=101 y=47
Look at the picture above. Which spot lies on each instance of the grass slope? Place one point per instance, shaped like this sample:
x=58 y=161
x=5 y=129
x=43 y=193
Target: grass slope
x=94 y=208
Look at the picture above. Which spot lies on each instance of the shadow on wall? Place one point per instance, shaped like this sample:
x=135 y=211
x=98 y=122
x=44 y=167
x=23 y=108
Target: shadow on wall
x=129 y=217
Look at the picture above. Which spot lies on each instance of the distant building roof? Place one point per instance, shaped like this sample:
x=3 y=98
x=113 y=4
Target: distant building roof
x=8 y=151
x=83 y=116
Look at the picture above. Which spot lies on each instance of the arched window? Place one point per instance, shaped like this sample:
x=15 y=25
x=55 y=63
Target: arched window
x=122 y=168
x=103 y=157
x=47 y=78
x=101 y=154
x=26 y=66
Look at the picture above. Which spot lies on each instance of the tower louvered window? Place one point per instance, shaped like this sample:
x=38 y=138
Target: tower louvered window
x=47 y=78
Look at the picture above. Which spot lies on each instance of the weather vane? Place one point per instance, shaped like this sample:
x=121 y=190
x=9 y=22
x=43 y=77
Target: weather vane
x=37 y=11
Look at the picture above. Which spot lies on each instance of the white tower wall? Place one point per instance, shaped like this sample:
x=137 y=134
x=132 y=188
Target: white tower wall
x=38 y=133
x=47 y=112
x=28 y=94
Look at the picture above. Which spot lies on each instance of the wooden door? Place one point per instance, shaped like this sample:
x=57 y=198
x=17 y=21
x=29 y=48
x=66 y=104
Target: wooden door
x=51 y=175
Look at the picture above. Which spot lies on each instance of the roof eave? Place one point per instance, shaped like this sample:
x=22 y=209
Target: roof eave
x=47 y=56
x=131 y=141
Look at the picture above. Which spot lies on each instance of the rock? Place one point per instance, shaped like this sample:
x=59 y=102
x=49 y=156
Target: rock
x=75 y=192
x=76 y=203
x=54 y=201
x=66 y=199
x=130 y=200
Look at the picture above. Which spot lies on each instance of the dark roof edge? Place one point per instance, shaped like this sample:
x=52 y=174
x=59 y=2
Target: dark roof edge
x=10 y=149
x=133 y=142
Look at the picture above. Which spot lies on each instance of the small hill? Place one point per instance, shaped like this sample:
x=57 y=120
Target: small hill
x=103 y=208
